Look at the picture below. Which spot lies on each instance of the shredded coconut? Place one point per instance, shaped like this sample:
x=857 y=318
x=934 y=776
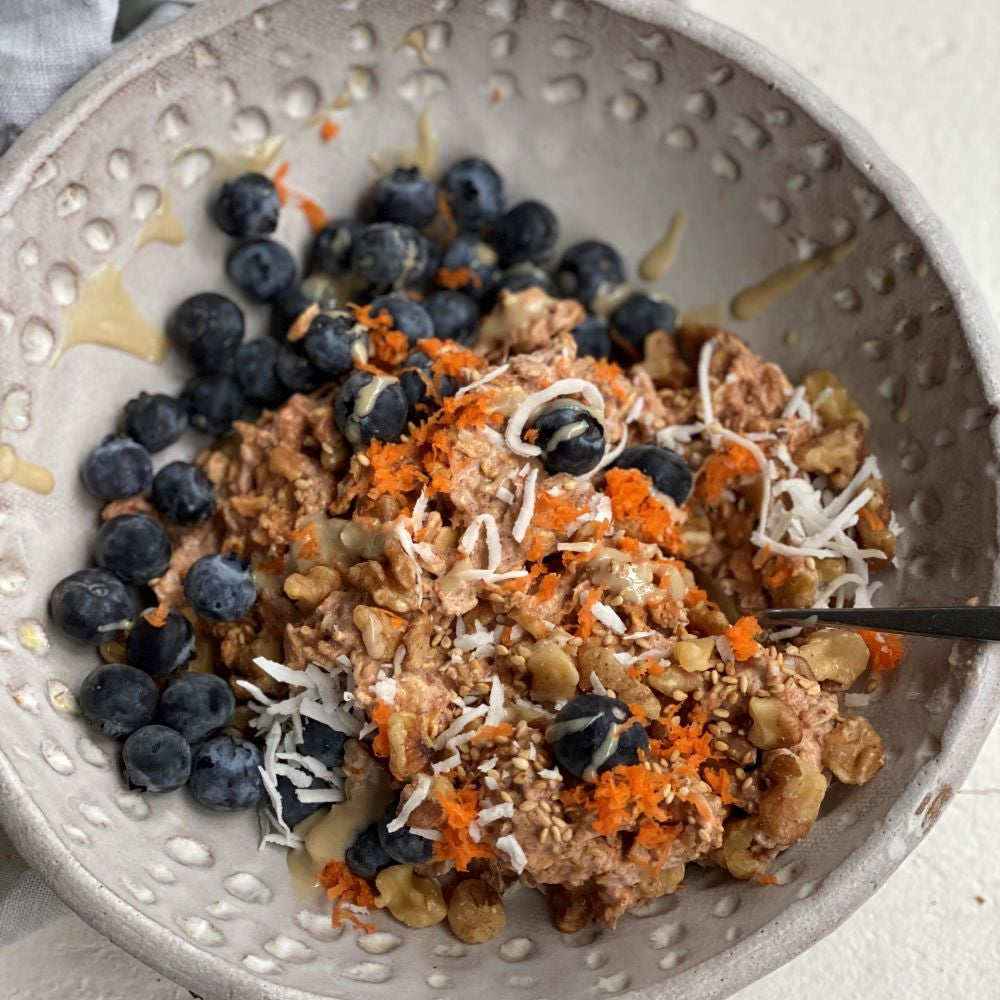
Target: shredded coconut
x=528 y=407
x=488 y=765
x=487 y=377
x=527 y=511
x=452 y=761
x=505 y=495
x=469 y=715
x=608 y=617
x=704 y=387
x=494 y=715
x=550 y=774
x=421 y=831
x=491 y=814
x=417 y=796
x=595 y=683
x=510 y=846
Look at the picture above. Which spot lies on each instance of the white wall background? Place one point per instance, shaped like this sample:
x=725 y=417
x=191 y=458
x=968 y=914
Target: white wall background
x=924 y=78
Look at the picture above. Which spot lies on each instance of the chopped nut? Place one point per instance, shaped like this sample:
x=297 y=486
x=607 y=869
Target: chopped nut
x=475 y=913
x=409 y=747
x=671 y=678
x=836 y=452
x=571 y=909
x=652 y=885
x=837 y=404
x=853 y=751
x=790 y=805
x=694 y=655
x=379 y=632
x=835 y=654
x=735 y=853
x=310 y=589
x=554 y=676
x=775 y=724
x=596 y=659
x=411 y=899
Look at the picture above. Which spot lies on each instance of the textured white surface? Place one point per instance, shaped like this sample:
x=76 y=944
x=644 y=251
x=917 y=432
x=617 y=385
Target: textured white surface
x=924 y=78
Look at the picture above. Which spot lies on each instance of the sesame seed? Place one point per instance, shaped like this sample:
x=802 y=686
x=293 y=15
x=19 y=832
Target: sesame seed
x=527 y=806
x=725 y=727
x=502 y=649
x=721 y=745
x=679 y=695
x=722 y=713
x=363 y=459
x=543 y=837
x=506 y=796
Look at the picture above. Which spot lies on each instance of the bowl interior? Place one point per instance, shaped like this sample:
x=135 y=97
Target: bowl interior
x=619 y=125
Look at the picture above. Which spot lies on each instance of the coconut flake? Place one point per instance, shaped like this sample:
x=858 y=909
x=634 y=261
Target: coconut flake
x=574 y=546
x=439 y=767
x=512 y=848
x=385 y=689
x=704 y=387
x=283 y=674
x=483 y=380
x=608 y=617
x=417 y=796
x=419 y=509
x=488 y=765
x=528 y=407
x=550 y=774
x=494 y=715
x=469 y=715
x=596 y=684
x=725 y=649
x=527 y=511
x=422 y=831
x=505 y=810
x=312 y=796
x=471 y=537
x=505 y=495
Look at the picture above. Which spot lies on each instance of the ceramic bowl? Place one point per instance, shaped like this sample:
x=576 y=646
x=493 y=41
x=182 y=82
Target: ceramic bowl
x=620 y=114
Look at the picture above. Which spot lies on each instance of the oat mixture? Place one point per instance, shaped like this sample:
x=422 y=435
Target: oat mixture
x=463 y=595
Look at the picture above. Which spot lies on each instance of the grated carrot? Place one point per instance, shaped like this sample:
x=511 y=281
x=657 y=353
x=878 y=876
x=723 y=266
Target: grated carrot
x=721 y=783
x=780 y=573
x=741 y=637
x=272 y=567
x=729 y=463
x=314 y=213
x=280 y=179
x=448 y=359
x=632 y=499
x=585 y=616
x=158 y=616
x=307 y=539
x=447 y=216
x=547 y=588
x=394 y=469
x=764 y=879
x=457 y=278
x=884 y=648
x=329 y=130
x=871 y=519
x=460 y=809
x=496 y=95
x=619 y=797
x=486 y=733
x=380 y=715
x=695 y=596
x=343 y=886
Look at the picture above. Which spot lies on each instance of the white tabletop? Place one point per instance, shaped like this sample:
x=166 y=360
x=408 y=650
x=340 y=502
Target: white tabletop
x=924 y=78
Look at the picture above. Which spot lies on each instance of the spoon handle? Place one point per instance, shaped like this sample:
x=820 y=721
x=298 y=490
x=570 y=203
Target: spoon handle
x=982 y=623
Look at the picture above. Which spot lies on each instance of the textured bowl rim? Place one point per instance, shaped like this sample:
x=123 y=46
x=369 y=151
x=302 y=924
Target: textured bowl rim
x=850 y=885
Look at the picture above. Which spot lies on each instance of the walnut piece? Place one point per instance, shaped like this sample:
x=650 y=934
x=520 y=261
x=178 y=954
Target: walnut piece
x=835 y=654
x=411 y=899
x=836 y=452
x=380 y=634
x=409 y=747
x=309 y=590
x=735 y=854
x=599 y=661
x=853 y=751
x=554 y=676
x=790 y=805
x=475 y=913
x=775 y=724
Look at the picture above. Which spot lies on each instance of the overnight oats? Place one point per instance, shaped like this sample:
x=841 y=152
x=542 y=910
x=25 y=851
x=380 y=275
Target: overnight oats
x=461 y=597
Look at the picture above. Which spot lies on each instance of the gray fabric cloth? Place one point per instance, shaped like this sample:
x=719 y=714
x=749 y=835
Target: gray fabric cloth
x=45 y=47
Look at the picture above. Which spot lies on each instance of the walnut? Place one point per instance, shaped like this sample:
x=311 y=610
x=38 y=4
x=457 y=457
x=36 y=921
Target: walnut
x=417 y=640
x=360 y=768
x=409 y=747
x=791 y=803
x=835 y=654
x=837 y=404
x=308 y=590
x=571 y=909
x=662 y=882
x=411 y=899
x=736 y=853
x=380 y=632
x=836 y=452
x=290 y=465
x=600 y=661
x=873 y=524
x=775 y=724
x=706 y=618
x=392 y=586
x=853 y=751
x=663 y=363
x=672 y=678
x=475 y=913
x=800 y=588
x=554 y=676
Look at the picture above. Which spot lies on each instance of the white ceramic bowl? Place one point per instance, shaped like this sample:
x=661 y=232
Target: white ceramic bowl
x=618 y=113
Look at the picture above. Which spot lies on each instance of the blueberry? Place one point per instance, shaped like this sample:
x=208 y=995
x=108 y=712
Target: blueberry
x=155 y=421
x=156 y=759
x=585 y=266
x=225 y=774
x=118 y=699
x=286 y=308
x=183 y=494
x=247 y=205
x=390 y=256
x=296 y=371
x=455 y=315
x=207 y=328
x=134 y=547
x=293 y=811
x=404 y=196
x=404 y=847
x=371 y=406
x=408 y=317
x=523 y=276
x=466 y=253
x=213 y=403
x=335 y=342
x=91 y=605
x=322 y=742
x=331 y=252
x=159 y=650
x=475 y=193
x=592 y=338
x=593 y=733
x=220 y=588
x=570 y=436
x=637 y=317
x=256 y=370
x=669 y=472
x=196 y=705
x=261 y=268
x=366 y=856
x=423 y=388
x=529 y=231
x=118 y=467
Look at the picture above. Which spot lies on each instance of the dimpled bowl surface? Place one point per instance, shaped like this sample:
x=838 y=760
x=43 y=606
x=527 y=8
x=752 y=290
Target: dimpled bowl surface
x=618 y=114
